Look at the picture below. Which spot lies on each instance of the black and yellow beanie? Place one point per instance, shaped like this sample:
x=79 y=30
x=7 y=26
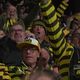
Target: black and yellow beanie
x=39 y=22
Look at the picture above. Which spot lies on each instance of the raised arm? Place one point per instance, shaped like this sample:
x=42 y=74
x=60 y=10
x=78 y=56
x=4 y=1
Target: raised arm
x=61 y=8
x=55 y=34
x=61 y=48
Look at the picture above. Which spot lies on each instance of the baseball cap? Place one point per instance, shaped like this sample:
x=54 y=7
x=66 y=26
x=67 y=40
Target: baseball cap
x=29 y=42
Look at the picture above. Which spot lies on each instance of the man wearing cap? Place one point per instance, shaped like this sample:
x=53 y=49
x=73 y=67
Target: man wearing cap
x=31 y=56
x=30 y=49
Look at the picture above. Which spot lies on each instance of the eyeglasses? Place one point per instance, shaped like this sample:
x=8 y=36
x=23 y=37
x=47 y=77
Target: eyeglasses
x=17 y=30
x=31 y=49
x=30 y=36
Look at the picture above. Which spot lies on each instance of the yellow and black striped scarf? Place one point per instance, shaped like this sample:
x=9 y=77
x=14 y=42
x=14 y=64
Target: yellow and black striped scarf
x=8 y=23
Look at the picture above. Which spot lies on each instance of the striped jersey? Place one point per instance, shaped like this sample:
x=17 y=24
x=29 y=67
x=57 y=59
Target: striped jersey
x=4 y=75
x=62 y=50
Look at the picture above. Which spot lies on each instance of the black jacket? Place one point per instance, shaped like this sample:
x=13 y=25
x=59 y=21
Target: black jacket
x=9 y=53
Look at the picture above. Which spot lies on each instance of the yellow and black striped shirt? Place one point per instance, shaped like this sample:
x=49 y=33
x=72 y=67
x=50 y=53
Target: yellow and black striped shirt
x=62 y=50
x=8 y=23
x=4 y=75
x=61 y=9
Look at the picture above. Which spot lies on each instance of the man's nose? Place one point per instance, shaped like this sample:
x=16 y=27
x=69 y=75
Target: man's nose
x=28 y=51
x=16 y=32
x=38 y=28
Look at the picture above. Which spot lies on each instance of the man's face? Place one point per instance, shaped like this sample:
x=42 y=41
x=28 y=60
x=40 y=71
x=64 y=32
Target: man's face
x=30 y=55
x=11 y=11
x=17 y=33
x=39 y=32
x=75 y=41
x=45 y=55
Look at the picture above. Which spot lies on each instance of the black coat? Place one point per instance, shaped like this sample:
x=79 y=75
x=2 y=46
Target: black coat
x=9 y=53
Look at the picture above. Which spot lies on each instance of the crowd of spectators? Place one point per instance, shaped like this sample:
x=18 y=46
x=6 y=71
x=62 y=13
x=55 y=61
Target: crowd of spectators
x=39 y=40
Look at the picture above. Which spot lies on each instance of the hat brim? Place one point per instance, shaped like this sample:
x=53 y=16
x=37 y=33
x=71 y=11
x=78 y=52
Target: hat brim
x=24 y=45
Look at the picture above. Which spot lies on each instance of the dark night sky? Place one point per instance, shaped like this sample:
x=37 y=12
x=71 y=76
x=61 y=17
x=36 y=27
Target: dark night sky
x=74 y=5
